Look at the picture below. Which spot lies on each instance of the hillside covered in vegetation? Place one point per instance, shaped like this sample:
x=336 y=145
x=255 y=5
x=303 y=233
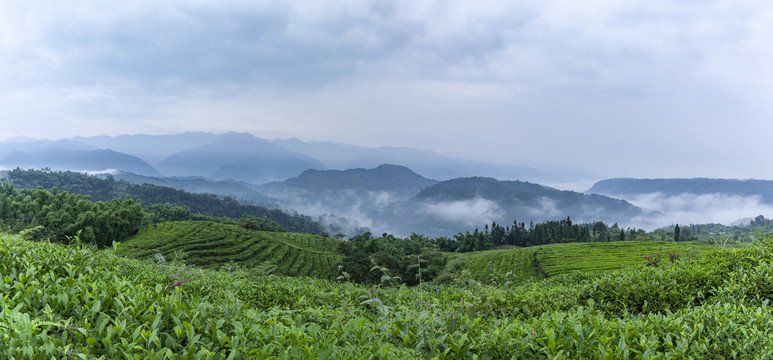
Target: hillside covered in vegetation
x=219 y=245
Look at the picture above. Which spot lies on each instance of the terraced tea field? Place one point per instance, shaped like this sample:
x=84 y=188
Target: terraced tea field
x=566 y=258
x=518 y=265
x=211 y=244
x=500 y=266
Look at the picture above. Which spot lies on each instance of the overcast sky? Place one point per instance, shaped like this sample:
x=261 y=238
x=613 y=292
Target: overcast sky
x=622 y=88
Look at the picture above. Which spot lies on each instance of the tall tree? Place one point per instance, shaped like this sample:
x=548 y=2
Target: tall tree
x=677 y=232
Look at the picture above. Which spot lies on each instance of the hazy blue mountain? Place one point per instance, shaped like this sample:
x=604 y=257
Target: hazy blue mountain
x=674 y=187
x=238 y=158
x=59 y=158
x=156 y=148
x=425 y=162
x=519 y=199
x=382 y=178
x=28 y=145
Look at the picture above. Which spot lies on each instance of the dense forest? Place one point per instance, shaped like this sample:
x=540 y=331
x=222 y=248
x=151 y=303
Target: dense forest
x=59 y=215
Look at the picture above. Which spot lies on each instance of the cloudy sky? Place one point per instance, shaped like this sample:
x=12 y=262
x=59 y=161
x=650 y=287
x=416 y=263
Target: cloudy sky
x=621 y=88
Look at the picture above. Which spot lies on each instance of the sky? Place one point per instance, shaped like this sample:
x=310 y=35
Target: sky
x=618 y=88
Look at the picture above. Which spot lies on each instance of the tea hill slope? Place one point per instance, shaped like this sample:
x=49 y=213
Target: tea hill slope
x=517 y=265
x=211 y=244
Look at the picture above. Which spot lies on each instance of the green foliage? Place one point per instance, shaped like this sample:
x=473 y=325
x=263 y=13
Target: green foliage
x=213 y=245
x=412 y=259
x=57 y=216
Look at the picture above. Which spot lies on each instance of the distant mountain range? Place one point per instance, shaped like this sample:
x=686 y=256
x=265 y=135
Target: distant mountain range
x=244 y=157
x=253 y=161
x=425 y=162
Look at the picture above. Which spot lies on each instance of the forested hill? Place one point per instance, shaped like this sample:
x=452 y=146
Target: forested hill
x=524 y=199
x=673 y=187
x=519 y=193
x=108 y=189
x=383 y=178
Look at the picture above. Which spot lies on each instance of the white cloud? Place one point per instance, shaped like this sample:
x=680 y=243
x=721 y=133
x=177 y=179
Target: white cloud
x=469 y=213
x=697 y=209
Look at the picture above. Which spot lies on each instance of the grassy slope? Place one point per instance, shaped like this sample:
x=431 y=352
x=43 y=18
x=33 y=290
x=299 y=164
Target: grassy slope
x=517 y=265
x=566 y=258
x=498 y=266
x=211 y=244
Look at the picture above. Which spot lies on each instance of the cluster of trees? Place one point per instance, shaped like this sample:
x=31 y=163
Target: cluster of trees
x=208 y=205
x=550 y=232
x=366 y=259
x=57 y=216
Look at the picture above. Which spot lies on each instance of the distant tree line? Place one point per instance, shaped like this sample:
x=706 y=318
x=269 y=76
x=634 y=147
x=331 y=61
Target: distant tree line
x=207 y=205
x=549 y=232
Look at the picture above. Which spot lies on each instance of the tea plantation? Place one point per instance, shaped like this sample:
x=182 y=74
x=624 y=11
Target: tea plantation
x=211 y=244
x=514 y=266
x=65 y=302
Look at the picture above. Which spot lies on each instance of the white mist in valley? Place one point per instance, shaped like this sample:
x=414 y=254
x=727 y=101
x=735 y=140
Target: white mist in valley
x=471 y=213
x=687 y=208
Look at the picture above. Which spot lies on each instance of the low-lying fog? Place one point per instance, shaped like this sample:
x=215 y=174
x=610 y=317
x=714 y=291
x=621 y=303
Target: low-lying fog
x=697 y=209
